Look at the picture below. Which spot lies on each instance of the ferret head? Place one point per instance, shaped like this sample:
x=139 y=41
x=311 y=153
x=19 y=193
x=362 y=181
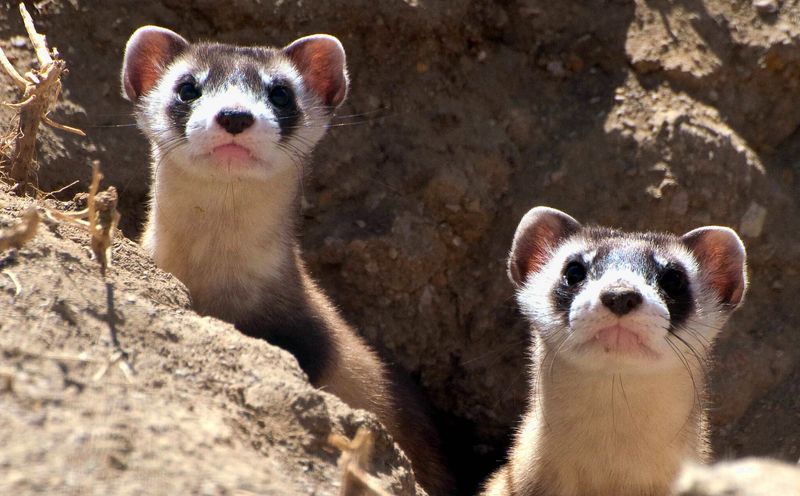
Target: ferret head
x=228 y=112
x=611 y=301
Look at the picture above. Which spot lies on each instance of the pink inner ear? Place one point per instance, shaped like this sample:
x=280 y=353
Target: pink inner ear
x=321 y=61
x=144 y=75
x=149 y=50
x=540 y=230
x=722 y=258
x=725 y=276
x=539 y=252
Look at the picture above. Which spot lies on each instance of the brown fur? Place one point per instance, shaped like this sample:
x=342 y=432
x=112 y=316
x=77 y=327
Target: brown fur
x=232 y=239
x=360 y=379
x=263 y=299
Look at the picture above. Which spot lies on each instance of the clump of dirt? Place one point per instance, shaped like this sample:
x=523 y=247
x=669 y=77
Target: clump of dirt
x=114 y=386
x=462 y=115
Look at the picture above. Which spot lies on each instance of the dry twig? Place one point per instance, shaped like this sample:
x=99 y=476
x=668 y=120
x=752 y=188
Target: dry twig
x=43 y=195
x=15 y=281
x=41 y=89
x=22 y=232
x=58 y=357
x=117 y=358
x=101 y=218
x=355 y=456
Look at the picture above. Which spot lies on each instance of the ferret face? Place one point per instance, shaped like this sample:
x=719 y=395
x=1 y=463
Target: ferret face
x=620 y=302
x=229 y=113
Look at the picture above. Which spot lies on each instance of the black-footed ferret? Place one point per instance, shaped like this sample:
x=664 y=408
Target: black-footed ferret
x=623 y=323
x=229 y=129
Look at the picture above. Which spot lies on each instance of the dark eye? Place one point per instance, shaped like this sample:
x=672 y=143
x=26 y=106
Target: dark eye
x=188 y=92
x=574 y=273
x=280 y=96
x=673 y=282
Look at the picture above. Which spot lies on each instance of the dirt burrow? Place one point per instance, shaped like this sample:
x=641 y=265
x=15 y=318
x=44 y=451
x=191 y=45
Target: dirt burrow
x=201 y=410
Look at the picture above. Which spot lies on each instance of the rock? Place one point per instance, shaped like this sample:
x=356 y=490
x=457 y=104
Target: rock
x=752 y=222
x=766 y=6
x=746 y=477
x=556 y=68
x=204 y=410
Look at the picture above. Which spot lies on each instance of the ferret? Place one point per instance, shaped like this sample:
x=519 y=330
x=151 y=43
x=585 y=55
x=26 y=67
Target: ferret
x=623 y=323
x=230 y=128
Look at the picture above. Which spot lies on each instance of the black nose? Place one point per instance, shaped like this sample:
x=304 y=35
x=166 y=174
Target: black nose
x=621 y=300
x=235 y=121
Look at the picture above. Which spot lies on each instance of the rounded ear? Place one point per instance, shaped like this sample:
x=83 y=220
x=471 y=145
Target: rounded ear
x=321 y=61
x=541 y=230
x=722 y=257
x=149 y=51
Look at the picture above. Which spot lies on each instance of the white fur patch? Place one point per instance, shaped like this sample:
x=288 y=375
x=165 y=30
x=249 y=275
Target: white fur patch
x=226 y=230
x=650 y=320
x=262 y=139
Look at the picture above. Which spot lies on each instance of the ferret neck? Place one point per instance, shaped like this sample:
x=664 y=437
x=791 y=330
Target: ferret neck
x=619 y=403
x=604 y=433
x=230 y=241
